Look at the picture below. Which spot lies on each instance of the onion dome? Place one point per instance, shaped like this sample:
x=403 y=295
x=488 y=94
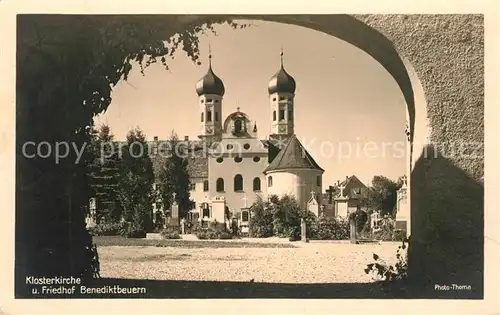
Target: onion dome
x=281 y=81
x=210 y=83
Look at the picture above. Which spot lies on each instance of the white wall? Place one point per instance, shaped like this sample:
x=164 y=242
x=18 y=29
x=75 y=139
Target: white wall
x=298 y=183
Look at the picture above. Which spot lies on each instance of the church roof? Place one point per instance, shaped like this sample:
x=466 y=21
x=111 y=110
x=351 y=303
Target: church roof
x=293 y=156
x=281 y=81
x=210 y=83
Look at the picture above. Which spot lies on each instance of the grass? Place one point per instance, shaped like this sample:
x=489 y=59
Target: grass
x=122 y=241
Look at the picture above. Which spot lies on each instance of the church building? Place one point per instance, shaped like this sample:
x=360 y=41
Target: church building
x=237 y=164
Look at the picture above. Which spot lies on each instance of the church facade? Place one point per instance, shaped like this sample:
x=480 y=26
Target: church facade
x=231 y=161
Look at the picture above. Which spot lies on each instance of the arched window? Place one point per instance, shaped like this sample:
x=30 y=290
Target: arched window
x=202 y=117
x=256 y=184
x=270 y=181
x=209 y=116
x=238 y=126
x=219 y=185
x=205 y=185
x=238 y=183
x=274 y=115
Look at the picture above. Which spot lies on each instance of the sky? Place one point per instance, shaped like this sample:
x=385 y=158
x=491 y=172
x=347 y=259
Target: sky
x=349 y=112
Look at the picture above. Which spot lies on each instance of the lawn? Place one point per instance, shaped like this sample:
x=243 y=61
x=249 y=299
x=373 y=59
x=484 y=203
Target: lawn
x=101 y=241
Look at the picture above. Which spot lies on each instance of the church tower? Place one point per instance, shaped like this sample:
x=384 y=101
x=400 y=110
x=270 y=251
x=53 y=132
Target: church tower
x=210 y=90
x=281 y=98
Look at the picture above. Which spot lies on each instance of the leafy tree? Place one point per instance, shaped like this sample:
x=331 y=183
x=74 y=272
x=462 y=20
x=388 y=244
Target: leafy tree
x=136 y=182
x=66 y=68
x=174 y=177
x=382 y=195
x=103 y=173
x=261 y=222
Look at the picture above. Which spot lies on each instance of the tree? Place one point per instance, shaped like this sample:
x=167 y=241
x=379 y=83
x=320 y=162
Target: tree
x=103 y=173
x=382 y=195
x=65 y=75
x=136 y=182
x=174 y=177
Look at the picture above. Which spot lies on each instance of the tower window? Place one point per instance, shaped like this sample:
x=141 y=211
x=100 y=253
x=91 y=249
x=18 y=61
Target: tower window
x=270 y=181
x=219 y=184
x=246 y=146
x=282 y=114
x=216 y=101
x=238 y=159
x=256 y=159
x=205 y=185
x=274 y=98
x=238 y=126
x=202 y=117
x=282 y=98
x=256 y=184
x=290 y=114
x=209 y=100
x=274 y=115
x=238 y=183
x=202 y=101
x=318 y=180
x=209 y=116
x=216 y=116
x=219 y=160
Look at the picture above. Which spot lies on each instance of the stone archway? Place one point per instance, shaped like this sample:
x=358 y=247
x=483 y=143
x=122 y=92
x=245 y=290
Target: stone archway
x=437 y=61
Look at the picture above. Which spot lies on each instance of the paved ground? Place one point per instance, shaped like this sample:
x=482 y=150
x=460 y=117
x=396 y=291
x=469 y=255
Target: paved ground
x=314 y=262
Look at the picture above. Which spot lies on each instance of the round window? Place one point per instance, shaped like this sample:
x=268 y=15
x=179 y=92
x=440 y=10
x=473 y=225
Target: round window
x=229 y=146
x=219 y=160
x=238 y=159
x=246 y=146
x=256 y=159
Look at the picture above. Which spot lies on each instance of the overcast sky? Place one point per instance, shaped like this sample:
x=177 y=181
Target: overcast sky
x=345 y=101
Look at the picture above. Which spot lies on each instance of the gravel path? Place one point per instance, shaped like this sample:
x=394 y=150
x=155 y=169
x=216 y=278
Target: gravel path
x=309 y=263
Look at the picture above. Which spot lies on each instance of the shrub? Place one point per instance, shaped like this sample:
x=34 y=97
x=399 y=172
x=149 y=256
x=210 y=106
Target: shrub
x=326 y=228
x=381 y=270
x=207 y=234
x=131 y=230
x=170 y=233
x=225 y=235
x=106 y=229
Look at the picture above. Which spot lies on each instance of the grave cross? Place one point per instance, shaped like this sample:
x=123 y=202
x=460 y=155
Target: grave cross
x=245 y=200
x=342 y=186
x=330 y=192
x=313 y=193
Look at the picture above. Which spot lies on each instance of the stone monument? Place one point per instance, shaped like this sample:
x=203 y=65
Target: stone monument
x=174 y=219
x=312 y=204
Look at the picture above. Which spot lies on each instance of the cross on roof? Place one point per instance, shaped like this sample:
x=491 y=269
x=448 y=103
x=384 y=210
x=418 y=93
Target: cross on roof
x=238 y=108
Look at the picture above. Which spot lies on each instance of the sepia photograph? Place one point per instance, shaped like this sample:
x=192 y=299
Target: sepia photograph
x=284 y=156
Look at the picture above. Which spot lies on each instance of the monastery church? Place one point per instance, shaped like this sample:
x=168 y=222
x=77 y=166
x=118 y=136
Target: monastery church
x=239 y=167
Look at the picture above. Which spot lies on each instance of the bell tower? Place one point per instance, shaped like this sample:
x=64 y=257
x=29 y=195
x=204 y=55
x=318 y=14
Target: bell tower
x=281 y=99
x=210 y=90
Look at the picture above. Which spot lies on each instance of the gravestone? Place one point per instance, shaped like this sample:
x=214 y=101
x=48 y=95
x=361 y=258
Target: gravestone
x=352 y=228
x=174 y=221
x=183 y=226
x=303 y=230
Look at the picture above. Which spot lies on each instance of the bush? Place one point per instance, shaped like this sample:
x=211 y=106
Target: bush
x=131 y=230
x=207 y=234
x=106 y=229
x=225 y=235
x=326 y=228
x=381 y=270
x=170 y=233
